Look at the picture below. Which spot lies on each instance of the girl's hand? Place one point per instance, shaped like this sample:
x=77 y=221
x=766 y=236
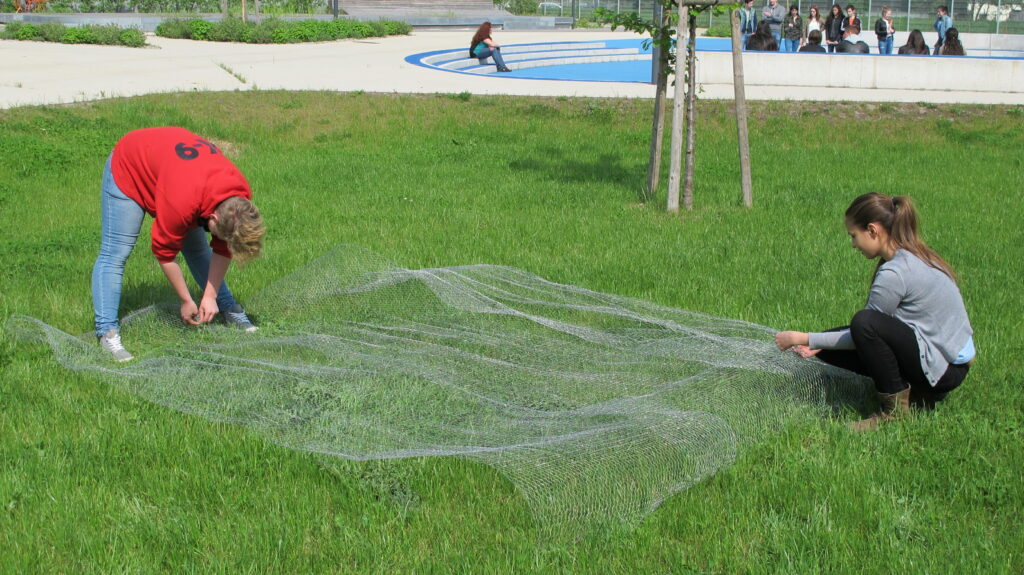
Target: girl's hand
x=787 y=339
x=804 y=351
x=189 y=311
x=208 y=309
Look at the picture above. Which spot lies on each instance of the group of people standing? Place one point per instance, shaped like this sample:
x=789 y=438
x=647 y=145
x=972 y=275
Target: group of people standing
x=775 y=30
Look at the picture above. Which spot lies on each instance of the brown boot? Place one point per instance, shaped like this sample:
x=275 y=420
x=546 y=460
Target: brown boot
x=891 y=406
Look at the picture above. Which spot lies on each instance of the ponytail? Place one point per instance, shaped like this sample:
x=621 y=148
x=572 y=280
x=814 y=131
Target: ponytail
x=896 y=214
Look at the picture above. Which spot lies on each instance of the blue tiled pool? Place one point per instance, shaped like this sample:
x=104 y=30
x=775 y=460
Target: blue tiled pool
x=597 y=61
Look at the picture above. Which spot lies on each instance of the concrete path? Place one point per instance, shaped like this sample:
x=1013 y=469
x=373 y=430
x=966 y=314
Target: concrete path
x=36 y=73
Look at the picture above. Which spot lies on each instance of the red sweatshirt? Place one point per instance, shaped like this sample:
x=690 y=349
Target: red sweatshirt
x=178 y=178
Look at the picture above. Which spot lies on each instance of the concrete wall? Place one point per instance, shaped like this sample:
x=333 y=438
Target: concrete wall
x=809 y=71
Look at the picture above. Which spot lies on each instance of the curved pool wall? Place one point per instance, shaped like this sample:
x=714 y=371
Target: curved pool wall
x=991 y=65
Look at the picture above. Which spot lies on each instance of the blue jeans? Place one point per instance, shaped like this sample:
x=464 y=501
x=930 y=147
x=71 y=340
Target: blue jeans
x=746 y=36
x=121 y=220
x=792 y=45
x=778 y=40
x=885 y=46
x=486 y=52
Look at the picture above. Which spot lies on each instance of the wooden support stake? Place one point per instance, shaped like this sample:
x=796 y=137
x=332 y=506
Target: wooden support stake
x=658 y=126
x=691 y=110
x=742 y=134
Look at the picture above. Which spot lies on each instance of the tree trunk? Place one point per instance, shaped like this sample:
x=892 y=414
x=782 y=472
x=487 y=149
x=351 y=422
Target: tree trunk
x=256 y=11
x=658 y=126
x=742 y=136
x=224 y=8
x=678 y=112
x=691 y=111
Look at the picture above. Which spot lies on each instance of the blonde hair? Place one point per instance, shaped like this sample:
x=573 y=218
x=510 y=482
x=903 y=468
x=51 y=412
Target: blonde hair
x=240 y=225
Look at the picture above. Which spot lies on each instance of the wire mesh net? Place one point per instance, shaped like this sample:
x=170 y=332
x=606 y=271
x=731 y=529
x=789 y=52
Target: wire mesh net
x=596 y=407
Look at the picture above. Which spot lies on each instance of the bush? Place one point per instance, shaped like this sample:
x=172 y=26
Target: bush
x=80 y=35
x=132 y=37
x=719 y=31
x=175 y=28
x=199 y=29
x=28 y=32
x=52 y=31
x=227 y=30
x=264 y=32
x=106 y=35
x=396 y=28
x=278 y=31
x=91 y=34
x=10 y=31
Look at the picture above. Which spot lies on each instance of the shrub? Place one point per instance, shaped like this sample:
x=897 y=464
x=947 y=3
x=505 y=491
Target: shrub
x=396 y=28
x=174 y=28
x=10 y=32
x=28 y=32
x=52 y=31
x=264 y=32
x=199 y=29
x=379 y=28
x=274 y=30
x=132 y=37
x=90 y=34
x=80 y=35
x=719 y=31
x=227 y=30
x=106 y=35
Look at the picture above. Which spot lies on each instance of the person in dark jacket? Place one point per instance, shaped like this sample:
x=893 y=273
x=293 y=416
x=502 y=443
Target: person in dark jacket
x=915 y=46
x=885 y=31
x=763 y=40
x=834 y=27
x=813 y=43
x=851 y=18
x=792 y=30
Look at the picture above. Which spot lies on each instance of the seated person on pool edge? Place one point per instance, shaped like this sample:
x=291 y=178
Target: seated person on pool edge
x=482 y=47
x=188 y=187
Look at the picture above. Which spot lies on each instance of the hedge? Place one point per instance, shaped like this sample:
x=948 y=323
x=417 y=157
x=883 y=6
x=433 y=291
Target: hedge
x=89 y=34
x=276 y=31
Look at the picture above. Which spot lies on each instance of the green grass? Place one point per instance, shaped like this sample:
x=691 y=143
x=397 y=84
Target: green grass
x=95 y=480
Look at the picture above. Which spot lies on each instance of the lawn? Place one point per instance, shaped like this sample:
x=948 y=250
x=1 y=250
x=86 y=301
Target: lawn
x=93 y=479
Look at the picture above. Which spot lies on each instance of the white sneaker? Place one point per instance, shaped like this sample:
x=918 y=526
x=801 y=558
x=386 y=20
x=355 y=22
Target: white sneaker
x=111 y=341
x=235 y=317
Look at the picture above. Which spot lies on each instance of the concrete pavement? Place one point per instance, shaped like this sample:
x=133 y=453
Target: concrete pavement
x=36 y=73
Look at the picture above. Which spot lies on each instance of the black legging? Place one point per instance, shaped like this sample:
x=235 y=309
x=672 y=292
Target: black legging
x=888 y=353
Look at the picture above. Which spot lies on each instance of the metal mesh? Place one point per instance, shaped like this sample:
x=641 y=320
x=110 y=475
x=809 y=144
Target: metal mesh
x=597 y=407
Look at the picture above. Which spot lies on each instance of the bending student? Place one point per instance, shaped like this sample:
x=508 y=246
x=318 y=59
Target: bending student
x=913 y=338
x=189 y=188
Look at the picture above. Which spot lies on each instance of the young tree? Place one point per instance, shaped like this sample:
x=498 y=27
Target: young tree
x=663 y=36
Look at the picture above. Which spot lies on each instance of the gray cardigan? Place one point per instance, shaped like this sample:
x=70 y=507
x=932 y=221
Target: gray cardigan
x=925 y=299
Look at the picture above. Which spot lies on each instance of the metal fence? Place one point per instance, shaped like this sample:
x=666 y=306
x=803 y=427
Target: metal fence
x=991 y=17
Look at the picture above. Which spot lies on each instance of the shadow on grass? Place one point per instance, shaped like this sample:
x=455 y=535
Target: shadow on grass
x=555 y=165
